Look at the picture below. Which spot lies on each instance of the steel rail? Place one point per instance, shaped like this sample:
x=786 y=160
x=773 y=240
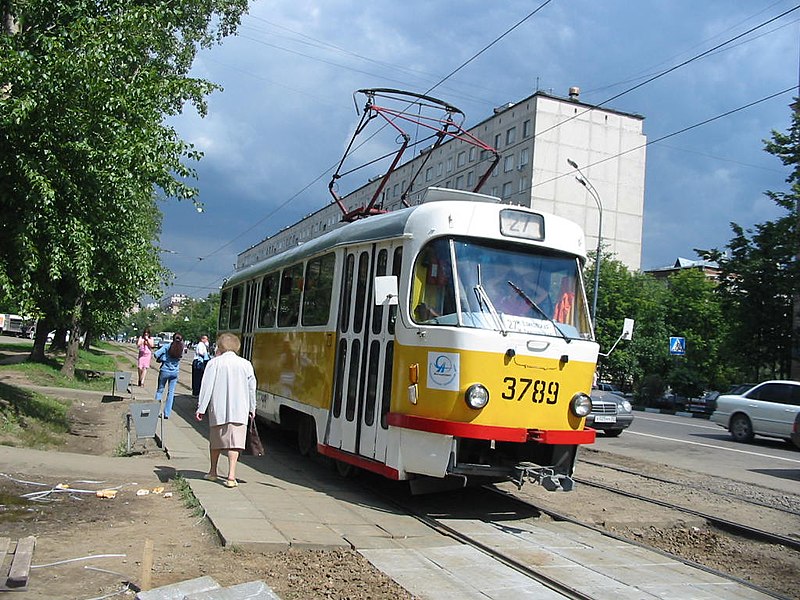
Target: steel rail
x=707 y=489
x=730 y=526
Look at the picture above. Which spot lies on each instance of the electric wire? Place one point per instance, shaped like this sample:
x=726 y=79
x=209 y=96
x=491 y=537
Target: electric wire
x=648 y=80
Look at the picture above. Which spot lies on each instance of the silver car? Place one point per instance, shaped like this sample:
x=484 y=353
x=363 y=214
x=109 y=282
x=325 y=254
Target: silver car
x=768 y=409
x=610 y=414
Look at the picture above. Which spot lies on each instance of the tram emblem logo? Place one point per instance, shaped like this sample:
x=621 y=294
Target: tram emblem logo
x=443 y=371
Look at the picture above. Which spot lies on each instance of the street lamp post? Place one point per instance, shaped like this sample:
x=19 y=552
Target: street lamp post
x=593 y=192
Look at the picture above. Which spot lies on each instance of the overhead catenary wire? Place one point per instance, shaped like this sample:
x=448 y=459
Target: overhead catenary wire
x=650 y=79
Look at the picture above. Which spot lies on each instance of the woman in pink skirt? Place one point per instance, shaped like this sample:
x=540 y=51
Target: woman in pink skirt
x=228 y=393
x=145 y=343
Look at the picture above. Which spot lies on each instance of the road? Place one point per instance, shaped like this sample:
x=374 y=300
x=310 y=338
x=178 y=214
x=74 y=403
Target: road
x=705 y=447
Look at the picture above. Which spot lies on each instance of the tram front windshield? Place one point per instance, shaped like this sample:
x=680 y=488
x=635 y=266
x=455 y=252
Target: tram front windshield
x=477 y=284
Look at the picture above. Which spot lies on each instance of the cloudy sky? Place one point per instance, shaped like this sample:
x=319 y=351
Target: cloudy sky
x=273 y=136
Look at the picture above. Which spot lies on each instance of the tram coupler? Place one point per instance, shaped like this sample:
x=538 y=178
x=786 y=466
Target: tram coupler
x=544 y=476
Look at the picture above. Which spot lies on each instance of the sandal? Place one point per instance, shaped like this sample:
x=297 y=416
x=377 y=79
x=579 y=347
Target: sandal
x=231 y=483
x=210 y=477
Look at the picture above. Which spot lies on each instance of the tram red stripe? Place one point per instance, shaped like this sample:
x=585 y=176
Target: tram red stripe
x=491 y=432
x=457 y=429
x=358 y=461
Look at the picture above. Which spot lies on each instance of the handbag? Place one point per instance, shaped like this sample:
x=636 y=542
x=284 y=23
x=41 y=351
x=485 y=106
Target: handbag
x=252 y=444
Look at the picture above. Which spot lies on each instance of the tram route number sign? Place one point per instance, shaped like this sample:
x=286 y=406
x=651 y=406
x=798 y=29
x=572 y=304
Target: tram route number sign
x=677 y=346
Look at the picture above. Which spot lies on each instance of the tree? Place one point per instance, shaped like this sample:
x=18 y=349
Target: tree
x=787 y=148
x=84 y=149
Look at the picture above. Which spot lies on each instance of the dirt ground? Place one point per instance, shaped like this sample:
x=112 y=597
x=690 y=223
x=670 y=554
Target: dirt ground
x=88 y=547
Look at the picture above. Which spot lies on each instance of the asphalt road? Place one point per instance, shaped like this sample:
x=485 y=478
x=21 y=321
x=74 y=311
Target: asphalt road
x=705 y=447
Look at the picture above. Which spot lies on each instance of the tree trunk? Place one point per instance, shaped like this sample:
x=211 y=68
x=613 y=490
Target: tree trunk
x=71 y=357
x=40 y=341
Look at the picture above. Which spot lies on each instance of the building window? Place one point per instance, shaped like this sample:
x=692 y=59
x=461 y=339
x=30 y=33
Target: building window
x=523 y=184
x=524 y=156
x=429 y=174
x=449 y=164
x=508 y=163
x=460 y=182
x=439 y=169
x=470 y=179
x=497 y=140
x=506 y=190
x=396 y=190
x=526 y=128
x=447 y=184
x=495 y=171
x=511 y=136
x=461 y=159
x=472 y=152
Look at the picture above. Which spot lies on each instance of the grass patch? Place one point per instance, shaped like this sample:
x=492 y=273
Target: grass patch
x=188 y=498
x=93 y=370
x=29 y=419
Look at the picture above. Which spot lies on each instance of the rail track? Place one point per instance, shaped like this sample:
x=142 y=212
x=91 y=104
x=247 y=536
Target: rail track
x=492 y=513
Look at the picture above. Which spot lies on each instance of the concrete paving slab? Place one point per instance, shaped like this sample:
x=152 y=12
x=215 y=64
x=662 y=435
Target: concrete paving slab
x=177 y=591
x=252 y=590
x=310 y=535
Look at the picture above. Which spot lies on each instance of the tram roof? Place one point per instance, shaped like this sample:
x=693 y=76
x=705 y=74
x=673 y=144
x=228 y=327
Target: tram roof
x=387 y=226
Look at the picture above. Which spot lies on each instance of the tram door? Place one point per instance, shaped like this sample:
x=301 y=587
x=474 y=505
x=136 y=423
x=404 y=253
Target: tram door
x=365 y=346
x=250 y=309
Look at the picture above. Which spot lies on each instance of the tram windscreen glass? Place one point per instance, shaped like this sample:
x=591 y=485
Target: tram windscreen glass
x=500 y=287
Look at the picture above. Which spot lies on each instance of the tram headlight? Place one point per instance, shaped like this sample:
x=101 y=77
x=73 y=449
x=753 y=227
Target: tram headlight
x=581 y=405
x=477 y=396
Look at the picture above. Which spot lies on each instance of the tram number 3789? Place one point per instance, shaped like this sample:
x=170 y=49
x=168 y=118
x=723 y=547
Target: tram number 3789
x=537 y=390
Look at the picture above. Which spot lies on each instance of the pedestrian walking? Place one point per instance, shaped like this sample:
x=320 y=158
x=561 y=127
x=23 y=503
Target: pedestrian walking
x=170 y=358
x=228 y=394
x=201 y=357
x=145 y=344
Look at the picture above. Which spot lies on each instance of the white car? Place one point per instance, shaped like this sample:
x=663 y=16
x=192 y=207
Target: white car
x=768 y=409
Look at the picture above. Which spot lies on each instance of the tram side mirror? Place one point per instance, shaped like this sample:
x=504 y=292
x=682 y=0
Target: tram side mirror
x=627 y=334
x=627 y=330
x=385 y=290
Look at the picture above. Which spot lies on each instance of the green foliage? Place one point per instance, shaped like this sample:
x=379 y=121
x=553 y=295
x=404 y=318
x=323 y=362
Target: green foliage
x=759 y=282
x=85 y=89
x=685 y=306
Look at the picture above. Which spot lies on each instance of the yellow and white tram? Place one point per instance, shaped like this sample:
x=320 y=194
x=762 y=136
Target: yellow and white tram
x=446 y=343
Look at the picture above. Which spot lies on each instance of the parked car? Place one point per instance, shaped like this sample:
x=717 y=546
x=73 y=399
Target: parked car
x=796 y=431
x=609 y=387
x=611 y=413
x=768 y=409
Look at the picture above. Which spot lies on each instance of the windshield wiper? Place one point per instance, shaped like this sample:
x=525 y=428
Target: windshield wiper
x=484 y=300
x=536 y=307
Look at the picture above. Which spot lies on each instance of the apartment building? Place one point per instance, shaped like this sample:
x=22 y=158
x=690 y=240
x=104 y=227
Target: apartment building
x=538 y=138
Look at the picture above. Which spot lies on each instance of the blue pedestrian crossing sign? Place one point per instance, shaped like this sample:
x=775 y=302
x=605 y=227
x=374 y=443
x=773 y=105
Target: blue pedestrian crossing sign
x=677 y=345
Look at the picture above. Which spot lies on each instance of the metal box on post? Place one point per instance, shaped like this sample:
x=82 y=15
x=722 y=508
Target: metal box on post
x=122 y=383
x=145 y=420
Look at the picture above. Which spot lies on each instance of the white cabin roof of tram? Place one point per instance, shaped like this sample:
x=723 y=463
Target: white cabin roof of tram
x=395 y=225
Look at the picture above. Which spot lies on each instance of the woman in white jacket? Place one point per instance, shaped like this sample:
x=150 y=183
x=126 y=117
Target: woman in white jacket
x=228 y=394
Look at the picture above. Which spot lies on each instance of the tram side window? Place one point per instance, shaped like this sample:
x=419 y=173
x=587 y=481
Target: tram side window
x=397 y=263
x=318 y=289
x=361 y=291
x=236 y=307
x=377 y=312
x=347 y=289
x=291 y=288
x=224 y=309
x=268 y=305
x=433 y=295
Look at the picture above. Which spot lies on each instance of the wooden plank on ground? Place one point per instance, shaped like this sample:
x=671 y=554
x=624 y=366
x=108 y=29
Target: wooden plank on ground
x=21 y=565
